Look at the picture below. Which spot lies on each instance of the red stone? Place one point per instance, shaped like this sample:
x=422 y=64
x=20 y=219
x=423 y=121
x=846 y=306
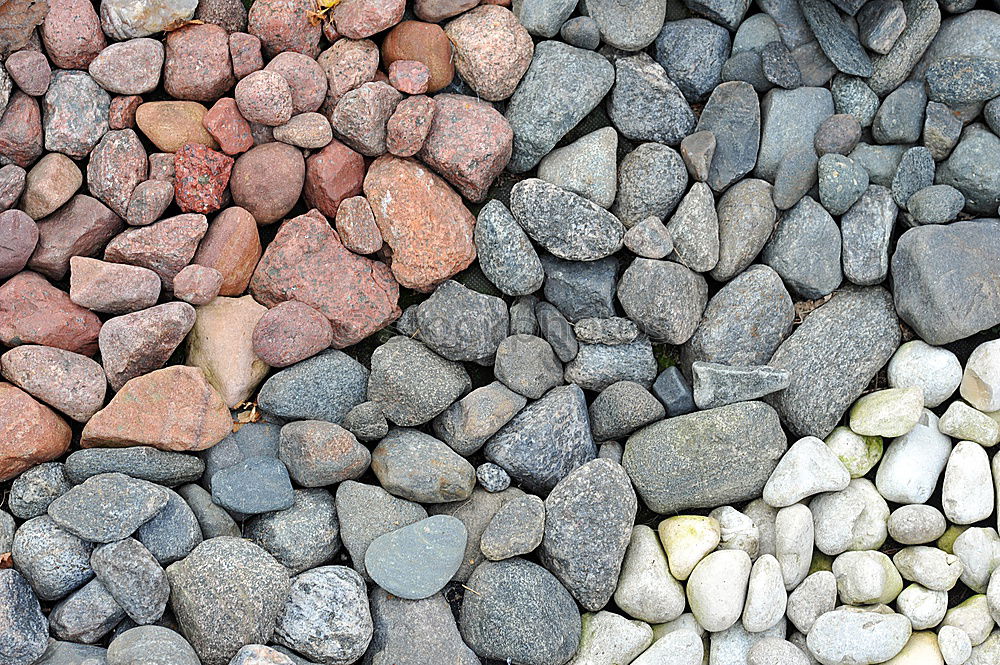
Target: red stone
x=18 y=236
x=122 y=112
x=357 y=19
x=12 y=181
x=32 y=311
x=307 y=262
x=72 y=33
x=197 y=284
x=267 y=180
x=333 y=174
x=422 y=219
x=21 y=130
x=30 y=70
x=164 y=247
x=285 y=25
x=409 y=76
x=244 y=49
x=67 y=381
x=139 y=342
x=79 y=228
x=424 y=42
x=197 y=64
x=409 y=125
x=117 y=164
x=111 y=288
x=227 y=126
x=356 y=226
x=348 y=64
x=161 y=166
x=30 y=432
x=492 y=50
x=289 y=332
x=200 y=178
x=264 y=98
x=306 y=80
x=231 y=246
x=438 y=10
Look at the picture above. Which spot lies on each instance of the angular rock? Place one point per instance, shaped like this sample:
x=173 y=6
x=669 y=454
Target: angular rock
x=138 y=343
x=737 y=142
x=75 y=111
x=805 y=250
x=71 y=383
x=112 y=288
x=652 y=180
x=790 y=119
x=107 y=507
x=79 y=228
x=32 y=311
x=716 y=385
x=646 y=105
x=26 y=628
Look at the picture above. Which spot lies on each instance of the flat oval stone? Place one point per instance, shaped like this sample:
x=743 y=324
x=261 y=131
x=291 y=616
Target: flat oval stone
x=418 y=560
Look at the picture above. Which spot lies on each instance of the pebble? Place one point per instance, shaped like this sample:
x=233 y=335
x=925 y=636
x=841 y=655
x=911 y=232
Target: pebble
x=916 y=171
x=717 y=588
x=642 y=85
x=212 y=518
x=608 y=637
x=129 y=68
x=852 y=96
x=977 y=550
x=581 y=289
x=32 y=436
x=942 y=130
x=417 y=560
x=902 y=480
x=460 y=324
x=779 y=66
x=865 y=230
x=652 y=180
x=409 y=76
x=301 y=537
x=421 y=42
x=961 y=421
x=26 y=628
x=418 y=467
x=107 y=507
x=646 y=590
x=587 y=167
x=697 y=150
x=793 y=250
x=172 y=533
x=71 y=34
x=890 y=413
x=12 y=179
x=789 y=119
x=49 y=184
x=33 y=491
x=866 y=578
x=880 y=24
x=227 y=126
x=268 y=199
x=844 y=636
x=842 y=181
x=955 y=645
x=409 y=126
x=133 y=578
x=928 y=566
x=664 y=299
x=527 y=365
x=581 y=32
x=468 y=423
x=415 y=631
x=924 y=608
x=69 y=382
x=692 y=52
x=671 y=388
x=413 y=392
x=936 y=204
x=859 y=454
x=851 y=519
x=319 y=453
x=164 y=247
x=556 y=330
x=808 y=467
x=355 y=223
x=492 y=50
x=366 y=512
x=492 y=478
x=54 y=561
x=900 y=118
x=255 y=485
x=694 y=230
x=134 y=344
x=64 y=325
x=264 y=97
x=505 y=253
x=290 y=332
x=957 y=80
x=736 y=146
x=30 y=71
x=21 y=130
x=717 y=385
x=112 y=288
x=149 y=201
x=197 y=285
x=981 y=380
x=284 y=25
x=916 y=524
x=765 y=597
x=197 y=65
x=812 y=597
x=622 y=408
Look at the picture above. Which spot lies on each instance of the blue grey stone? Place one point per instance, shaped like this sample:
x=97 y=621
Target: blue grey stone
x=841 y=182
x=581 y=289
x=67 y=653
x=557 y=331
x=542 y=18
x=727 y=13
x=324 y=387
x=958 y=80
x=588 y=166
x=6 y=531
x=612 y=330
x=522 y=316
x=923 y=17
x=526 y=365
x=516 y=529
x=692 y=51
x=646 y=105
x=652 y=180
x=747 y=67
x=157 y=466
x=622 y=408
x=790 y=120
x=417 y=560
x=866 y=230
x=458 y=323
x=53 y=560
x=915 y=171
x=881 y=161
x=366 y=422
x=779 y=66
x=212 y=518
x=717 y=385
x=492 y=478
x=366 y=512
x=853 y=96
x=505 y=253
x=256 y=485
x=258 y=439
x=937 y=204
x=415 y=632
x=732 y=114
x=597 y=366
x=25 y=629
x=974 y=169
x=754 y=33
x=151 y=644
x=942 y=129
x=418 y=467
x=629 y=25
x=173 y=532
x=795 y=177
x=133 y=578
x=673 y=390
x=87 y=615
x=581 y=32
x=838 y=42
x=469 y=422
x=301 y=537
x=880 y=22
x=788 y=18
x=108 y=507
x=805 y=250
x=663 y=298
x=900 y=118
x=33 y=491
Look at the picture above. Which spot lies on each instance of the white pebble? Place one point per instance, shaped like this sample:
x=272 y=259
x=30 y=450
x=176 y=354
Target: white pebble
x=961 y=421
x=774 y=651
x=646 y=590
x=923 y=607
x=793 y=543
x=847 y=637
x=890 y=412
x=978 y=548
x=916 y=524
x=928 y=566
x=763 y=517
x=955 y=645
x=933 y=369
x=912 y=464
x=981 y=380
x=680 y=647
x=921 y=649
x=738 y=532
x=610 y=638
x=857 y=453
x=766 y=597
x=866 y=578
x=853 y=519
x=967 y=494
x=717 y=588
x=808 y=467
x=815 y=596
x=972 y=615
x=686 y=540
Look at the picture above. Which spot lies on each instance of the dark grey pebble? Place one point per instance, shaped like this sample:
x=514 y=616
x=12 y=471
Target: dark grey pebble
x=133 y=578
x=256 y=485
x=108 y=507
x=323 y=387
x=581 y=289
x=33 y=491
x=458 y=323
x=173 y=532
x=157 y=466
x=25 y=629
x=86 y=615
x=672 y=389
x=301 y=537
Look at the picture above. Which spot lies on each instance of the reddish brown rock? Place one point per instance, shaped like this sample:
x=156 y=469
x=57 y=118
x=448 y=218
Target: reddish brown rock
x=164 y=247
x=244 y=50
x=409 y=76
x=347 y=64
x=306 y=80
x=72 y=33
x=131 y=67
x=116 y=166
x=298 y=264
x=139 y=342
x=111 y=288
x=492 y=50
x=424 y=42
x=422 y=220
x=265 y=98
x=356 y=226
x=32 y=311
x=319 y=453
x=361 y=115
x=121 y=114
x=285 y=25
x=30 y=432
x=357 y=19
x=409 y=125
x=469 y=143
x=20 y=235
x=225 y=123
x=200 y=178
x=66 y=381
x=197 y=284
x=221 y=344
x=305 y=130
x=21 y=130
x=79 y=228
x=231 y=246
x=289 y=332
x=229 y=14
x=169 y=125
x=197 y=64
x=173 y=408
x=267 y=180
x=30 y=70
x=330 y=31
x=149 y=201
x=333 y=174
x=161 y=166
x=12 y=179
x=49 y=184
x=435 y=11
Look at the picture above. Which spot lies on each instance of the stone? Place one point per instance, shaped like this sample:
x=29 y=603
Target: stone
x=301 y=537
x=220 y=343
x=413 y=632
x=409 y=126
x=505 y=253
x=21 y=235
x=671 y=444
x=366 y=421
x=646 y=105
x=133 y=578
x=268 y=199
x=586 y=167
x=71 y=383
x=809 y=467
x=916 y=524
x=865 y=230
x=172 y=533
x=409 y=76
x=942 y=130
x=717 y=588
x=814 y=596
x=264 y=97
x=149 y=201
x=973 y=154
x=53 y=560
x=717 y=385
x=622 y=408
x=492 y=478
x=581 y=289
x=838 y=134
x=966 y=489
x=608 y=637
x=851 y=519
x=517 y=528
x=418 y=467
x=766 y=598
x=928 y=566
x=796 y=176
x=212 y=519
x=75 y=112
x=32 y=492
x=981 y=380
x=417 y=560
x=652 y=180
x=21 y=131
x=33 y=433
x=79 y=228
x=779 y=66
x=30 y=71
x=467 y=424
x=859 y=454
x=49 y=184
x=845 y=635
x=366 y=512
x=32 y=311
x=318 y=453
x=305 y=130
x=129 y=68
x=333 y=174
x=891 y=413
x=794 y=537
x=597 y=366
x=954 y=644
x=682 y=645
x=692 y=51
x=915 y=172
x=792 y=252
x=173 y=124
x=164 y=247
x=414 y=391
x=197 y=285
x=646 y=590
x=556 y=330
x=137 y=343
x=227 y=125
x=582 y=32
x=666 y=300
x=492 y=50
x=25 y=635
x=736 y=144
x=694 y=230
x=936 y=204
x=866 y=577
x=290 y=332
x=197 y=65
x=461 y=324
x=107 y=507
x=841 y=182
x=899 y=479
x=790 y=119
x=527 y=365
x=200 y=178
x=671 y=388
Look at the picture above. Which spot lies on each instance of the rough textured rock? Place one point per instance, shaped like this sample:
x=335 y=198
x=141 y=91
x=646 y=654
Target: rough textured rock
x=32 y=311
x=69 y=382
x=32 y=433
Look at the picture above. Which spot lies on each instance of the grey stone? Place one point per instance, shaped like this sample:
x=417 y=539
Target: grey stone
x=173 y=532
x=991 y=114
x=612 y=330
x=527 y=365
x=698 y=149
x=815 y=67
x=469 y=422
x=780 y=66
x=25 y=633
x=866 y=229
x=934 y=267
x=937 y=204
x=522 y=316
x=847 y=635
x=838 y=42
x=692 y=51
x=754 y=33
x=788 y=18
x=324 y=387
x=881 y=161
x=87 y=615
x=411 y=383
x=673 y=391
x=133 y=578
x=258 y=654
x=651 y=181
x=958 y=80
x=880 y=22
x=33 y=491
x=694 y=230
x=557 y=331
x=562 y=85
x=256 y=485
x=107 y=507
x=417 y=560
x=588 y=523
x=475 y=513
x=597 y=366
x=942 y=129
x=853 y=96
x=727 y=13
x=158 y=466
x=832 y=356
x=747 y=67
x=888 y=71
x=366 y=512
x=611 y=450
x=733 y=645
x=458 y=323
x=581 y=32
x=796 y=176
x=227 y=593
x=366 y=422
x=744 y=322
x=646 y=105
x=587 y=167
x=301 y=537
x=260 y=439
x=838 y=134
x=74 y=113
x=776 y=651
x=418 y=467
x=505 y=254
x=629 y=25
x=841 y=182
x=732 y=114
x=212 y=518
x=545 y=441
x=805 y=250
x=406 y=324
x=717 y=385
x=6 y=531
x=516 y=529
x=326 y=616
x=900 y=118
x=542 y=18
x=790 y=119
x=146 y=645
x=705 y=459
x=581 y=289
x=916 y=171
x=564 y=223
x=974 y=169
x=492 y=478
x=415 y=632
x=665 y=299
x=520 y=612
x=67 y=653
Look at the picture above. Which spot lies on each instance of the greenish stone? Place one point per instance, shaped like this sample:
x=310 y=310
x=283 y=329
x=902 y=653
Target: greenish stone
x=890 y=413
x=859 y=454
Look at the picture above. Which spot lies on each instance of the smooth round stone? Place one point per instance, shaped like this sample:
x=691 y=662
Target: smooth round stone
x=108 y=507
x=890 y=413
x=911 y=465
x=173 y=532
x=981 y=381
x=978 y=548
x=846 y=637
x=24 y=635
x=955 y=645
x=607 y=635
x=687 y=539
x=646 y=590
x=54 y=561
x=318 y=453
x=492 y=478
x=837 y=134
x=928 y=566
x=857 y=453
x=766 y=599
x=417 y=560
x=807 y=468
x=301 y=537
x=961 y=421
x=852 y=519
x=717 y=588
x=517 y=528
x=916 y=524
x=255 y=485
x=933 y=369
x=866 y=578
x=150 y=644
x=739 y=532
x=967 y=493
x=973 y=617
x=813 y=597
x=923 y=607
x=133 y=578
x=794 y=535
x=418 y=467
x=937 y=204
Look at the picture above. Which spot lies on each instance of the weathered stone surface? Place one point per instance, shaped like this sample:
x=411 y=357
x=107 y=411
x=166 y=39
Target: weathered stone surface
x=117 y=164
x=75 y=113
x=112 y=288
x=31 y=432
x=137 y=343
x=732 y=114
x=164 y=247
x=72 y=383
x=646 y=105
x=415 y=632
x=79 y=228
x=25 y=633
x=324 y=387
x=32 y=311
x=172 y=124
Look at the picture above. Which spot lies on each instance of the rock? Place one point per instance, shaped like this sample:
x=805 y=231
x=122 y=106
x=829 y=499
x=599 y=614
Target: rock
x=107 y=507
x=844 y=635
x=597 y=366
x=694 y=230
x=366 y=512
x=300 y=537
x=32 y=311
x=172 y=533
x=505 y=254
x=936 y=204
x=71 y=34
x=417 y=560
x=652 y=180
x=49 y=184
x=409 y=76
x=622 y=408
x=200 y=178
x=32 y=433
x=414 y=391
x=133 y=578
x=556 y=330
x=900 y=118
x=851 y=519
x=79 y=228
x=135 y=344
x=197 y=285
x=646 y=590
x=698 y=150
x=32 y=492
x=890 y=413
x=692 y=51
x=717 y=385
x=397 y=638
x=129 y=68
x=164 y=247
x=649 y=239
x=736 y=146
x=305 y=130
x=366 y=422
x=958 y=80
x=492 y=50
x=54 y=561
x=646 y=105
x=253 y=486
x=420 y=42
x=664 y=299
x=671 y=388
x=21 y=235
x=492 y=478
x=318 y=453
x=26 y=628
x=71 y=383
x=419 y=467
x=839 y=134
x=717 y=588
x=212 y=518
x=30 y=71
x=21 y=131
x=916 y=524
x=966 y=488
x=671 y=444
x=841 y=182
x=901 y=480
x=516 y=529
x=227 y=126
x=290 y=332
x=791 y=250
x=814 y=596
x=981 y=381
x=809 y=467
x=468 y=423
x=268 y=200
x=149 y=201
x=581 y=289
x=197 y=64
x=409 y=125
x=796 y=176
x=790 y=119
x=973 y=154
x=586 y=167
x=859 y=454
x=865 y=230
x=443 y=321
x=920 y=290
x=608 y=637
x=942 y=130
x=173 y=124
x=527 y=365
